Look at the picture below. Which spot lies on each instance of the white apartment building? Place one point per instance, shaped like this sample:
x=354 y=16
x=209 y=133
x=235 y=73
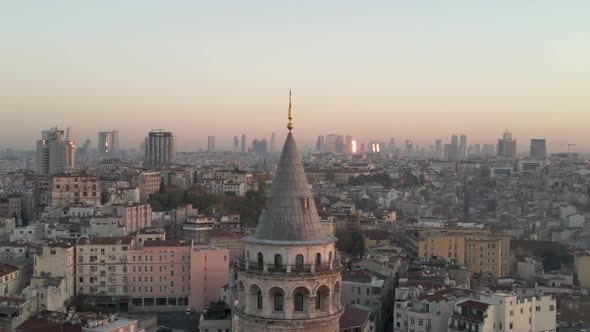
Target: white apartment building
x=133 y=216
x=425 y=312
x=504 y=312
x=57 y=260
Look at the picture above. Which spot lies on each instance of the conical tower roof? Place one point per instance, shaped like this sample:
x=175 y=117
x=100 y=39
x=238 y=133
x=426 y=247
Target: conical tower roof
x=290 y=214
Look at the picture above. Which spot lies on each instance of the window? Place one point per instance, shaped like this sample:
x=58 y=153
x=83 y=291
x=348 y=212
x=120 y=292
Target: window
x=278 y=301
x=298 y=302
x=318 y=300
x=278 y=261
x=299 y=261
x=420 y=322
x=551 y=307
x=412 y=321
x=260 y=260
x=259 y=299
x=318 y=258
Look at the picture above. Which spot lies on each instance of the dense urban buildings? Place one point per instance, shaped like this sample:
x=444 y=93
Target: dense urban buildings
x=347 y=236
x=160 y=148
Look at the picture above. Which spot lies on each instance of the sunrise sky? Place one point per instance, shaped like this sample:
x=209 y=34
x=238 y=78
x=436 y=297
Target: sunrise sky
x=373 y=69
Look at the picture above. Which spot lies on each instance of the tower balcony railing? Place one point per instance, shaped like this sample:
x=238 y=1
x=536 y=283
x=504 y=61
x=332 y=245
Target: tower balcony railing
x=295 y=269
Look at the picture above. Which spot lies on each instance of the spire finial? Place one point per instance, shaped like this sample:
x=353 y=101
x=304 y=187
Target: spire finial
x=290 y=125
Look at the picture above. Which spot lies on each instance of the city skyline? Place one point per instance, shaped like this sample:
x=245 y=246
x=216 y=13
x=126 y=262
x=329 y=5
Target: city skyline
x=421 y=71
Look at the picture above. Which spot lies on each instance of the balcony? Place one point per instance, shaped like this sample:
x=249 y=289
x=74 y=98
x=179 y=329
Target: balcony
x=287 y=269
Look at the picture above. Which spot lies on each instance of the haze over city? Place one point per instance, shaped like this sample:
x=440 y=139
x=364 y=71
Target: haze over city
x=418 y=70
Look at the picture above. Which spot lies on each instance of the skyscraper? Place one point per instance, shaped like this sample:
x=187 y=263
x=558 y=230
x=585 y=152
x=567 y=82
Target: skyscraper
x=244 y=148
x=319 y=145
x=455 y=140
x=260 y=146
x=108 y=143
x=290 y=276
x=391 y=146
x=331 y=143
x=538 y=148
x=55 y=154
x=236 y=144
x=507 y=145
x=438 y=149
x=462 y=146
x=211 y=144
x=160 y=148
x=272 y=147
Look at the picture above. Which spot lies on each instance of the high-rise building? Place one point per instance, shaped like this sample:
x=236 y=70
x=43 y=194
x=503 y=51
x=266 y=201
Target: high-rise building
x=538 y=148
x=290 y=276
x=236 y=144
x=273 y=143
x=108 y=143
x=319 y=145
x=160 y=148
x=391 y=146
x=463 y=146
x=452 y=152
x=438 y=149
x=331 y=143
x=260 y=146
x=211 y=144
x=348 y=144
x=455 y=140
x=507 y=145
x=55 y=154
x=244 y=147
x=409 y=145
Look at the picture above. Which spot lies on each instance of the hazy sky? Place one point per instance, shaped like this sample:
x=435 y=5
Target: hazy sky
x=372 y=69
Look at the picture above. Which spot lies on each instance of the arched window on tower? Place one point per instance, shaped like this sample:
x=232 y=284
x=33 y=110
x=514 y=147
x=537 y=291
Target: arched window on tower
x=318 y=300
x=318 y=259
x=278 y=301
x=298 y=302
x=259 y=299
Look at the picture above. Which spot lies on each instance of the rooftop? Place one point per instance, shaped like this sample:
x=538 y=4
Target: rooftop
x=290 y=214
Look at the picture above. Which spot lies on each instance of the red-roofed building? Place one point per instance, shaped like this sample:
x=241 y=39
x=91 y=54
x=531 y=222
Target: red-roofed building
x=356 y=320
x=9 y=280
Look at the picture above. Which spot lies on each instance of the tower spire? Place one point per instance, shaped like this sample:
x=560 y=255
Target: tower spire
x=290 y=125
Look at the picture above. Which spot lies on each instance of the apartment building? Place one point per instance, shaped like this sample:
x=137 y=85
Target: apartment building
x=160 y=274
x=102 y=265
x=425 y=312
x=157 y=275
x=134 y=216
x=57 y=260
x=477 y=249
x=504 y=312
x=147 y=183
x=75 y=189
x=9 y=280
